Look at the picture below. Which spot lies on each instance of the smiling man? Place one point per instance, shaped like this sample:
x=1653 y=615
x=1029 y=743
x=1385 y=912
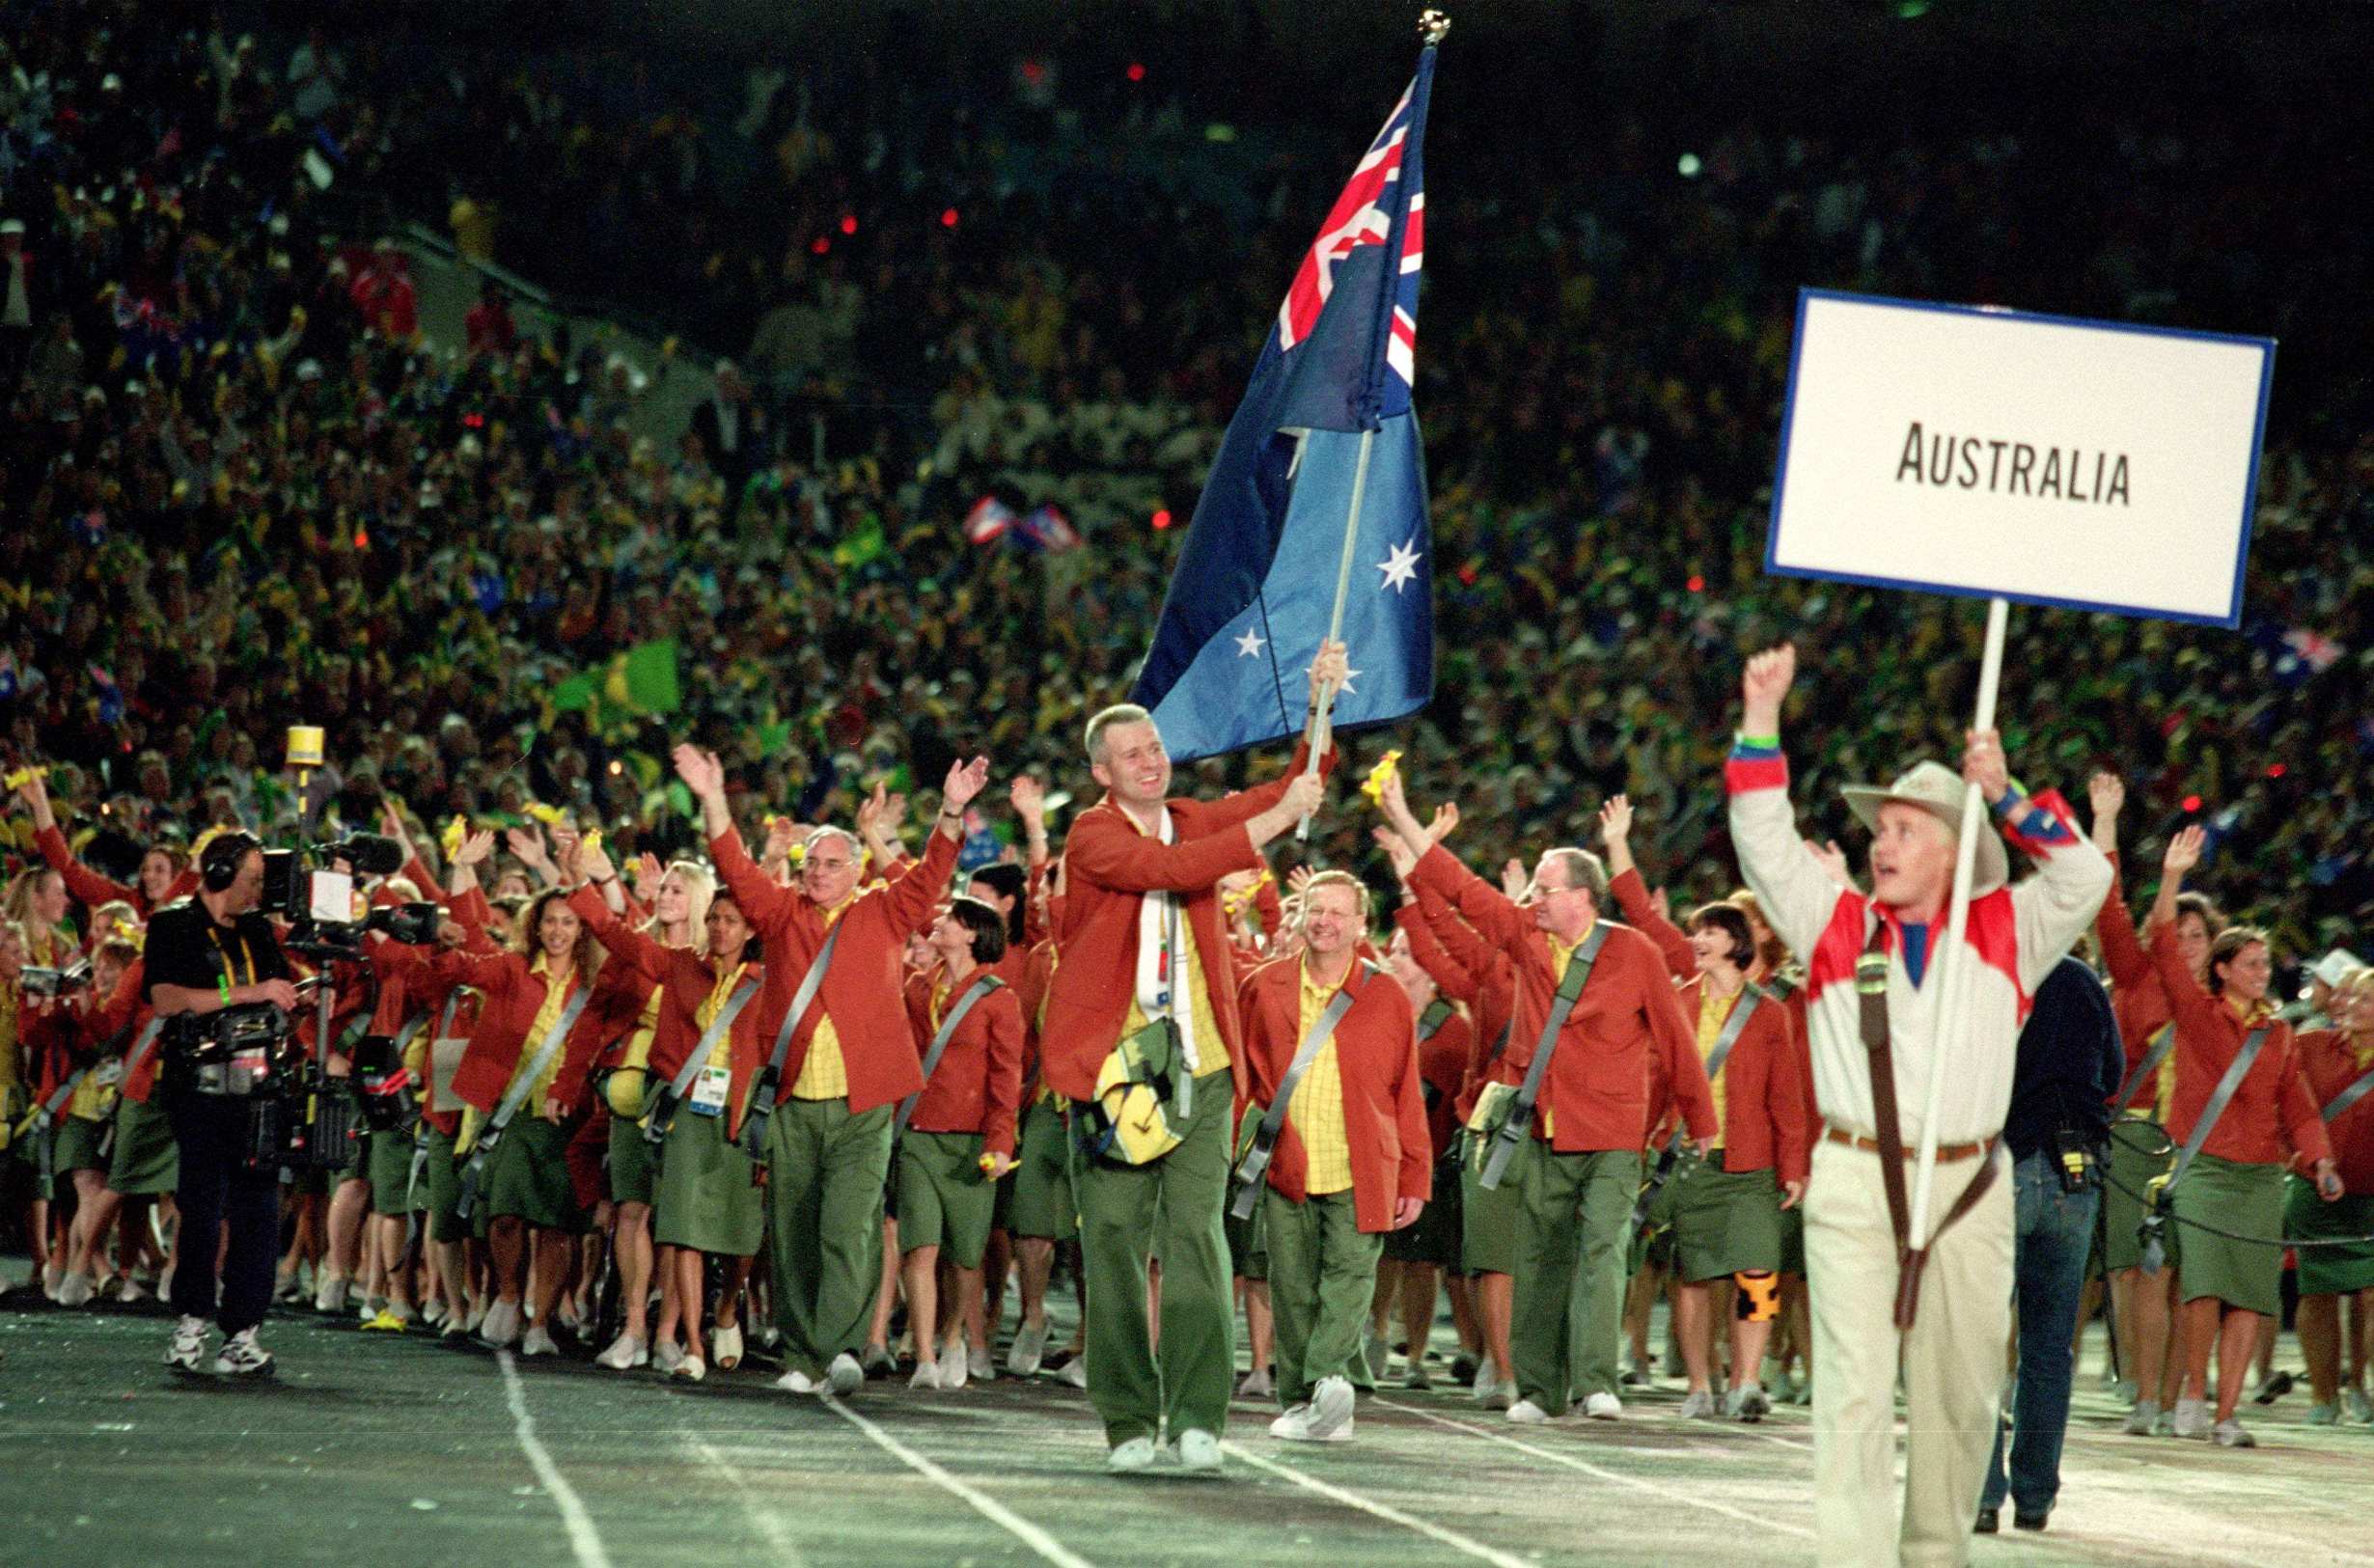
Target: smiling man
x=1145 y=965
x=1952 y=1356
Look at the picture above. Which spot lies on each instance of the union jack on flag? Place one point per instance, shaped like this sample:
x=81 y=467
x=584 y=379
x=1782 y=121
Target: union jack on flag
x=1363 y=215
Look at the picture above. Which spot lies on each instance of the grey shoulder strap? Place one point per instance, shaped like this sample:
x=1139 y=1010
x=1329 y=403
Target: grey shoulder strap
x=946 y=1032
x=1265 y=1136
x=1520 y=1123
x=2218 y=1098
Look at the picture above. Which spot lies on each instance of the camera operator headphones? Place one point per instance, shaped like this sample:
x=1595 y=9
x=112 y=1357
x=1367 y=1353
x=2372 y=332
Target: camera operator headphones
x=218 y=864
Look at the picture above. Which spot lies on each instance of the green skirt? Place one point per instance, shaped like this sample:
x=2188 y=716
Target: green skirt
x=387 y=1165
x=2244 y=1198
x=526 y=1178
x=1487 y=1222
x=943 y=1200
x=1724 y=1221
x=704 y=1195
x=78 y=1144
x=146 y=1161
x=1793 y=1240
x=1248 y=1238
x=1043 y=1204
x=2133 y=1165
x=1436 y=1237
x=441 y=1183
x=2330 y=1271
x=630 y=1163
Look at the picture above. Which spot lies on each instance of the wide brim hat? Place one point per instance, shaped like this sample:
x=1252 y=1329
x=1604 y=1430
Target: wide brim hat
x=1943 y=793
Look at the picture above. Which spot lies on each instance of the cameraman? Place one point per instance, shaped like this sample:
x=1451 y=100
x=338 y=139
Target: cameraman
x=207 y=953
x=2061 y=1084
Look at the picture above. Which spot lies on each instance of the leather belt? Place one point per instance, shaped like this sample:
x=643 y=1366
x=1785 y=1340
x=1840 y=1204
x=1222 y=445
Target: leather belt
x=1947 y=1153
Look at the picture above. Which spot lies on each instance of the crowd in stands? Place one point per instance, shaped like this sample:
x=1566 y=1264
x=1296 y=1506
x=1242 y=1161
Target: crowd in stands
x=240 y=491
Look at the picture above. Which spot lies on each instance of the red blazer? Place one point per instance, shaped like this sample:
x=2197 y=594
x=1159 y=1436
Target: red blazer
x=621 y=992
x=514 y=995
x=1764 y=1118
x=2330 y=1066
x=688 y=979
x=92 y=890
x=1597 y=1088
x=861 y=992
x=1111 y=866
x=2138 y=999
x=2270 y=1119
x=1489 y=987
x=1376 y=1057
x=978 y=1085
x=1441 y=1065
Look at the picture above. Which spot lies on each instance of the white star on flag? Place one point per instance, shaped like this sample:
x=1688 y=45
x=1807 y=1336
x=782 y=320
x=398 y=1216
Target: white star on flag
x=1350 y=674
x=1400 y=566
x=1249 y=645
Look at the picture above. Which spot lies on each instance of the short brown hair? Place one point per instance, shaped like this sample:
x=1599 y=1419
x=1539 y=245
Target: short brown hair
x=2227 y=947
x=1338 y=879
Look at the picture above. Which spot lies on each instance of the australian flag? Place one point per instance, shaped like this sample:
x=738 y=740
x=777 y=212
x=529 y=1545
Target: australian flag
x=1255 y=582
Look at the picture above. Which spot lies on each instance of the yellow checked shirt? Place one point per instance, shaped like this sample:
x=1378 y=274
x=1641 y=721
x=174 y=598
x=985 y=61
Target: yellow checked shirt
x=1316 y=1109
x=1562 y=954
x=721 y=1054
x=1714 y=1012
x=825 y=1075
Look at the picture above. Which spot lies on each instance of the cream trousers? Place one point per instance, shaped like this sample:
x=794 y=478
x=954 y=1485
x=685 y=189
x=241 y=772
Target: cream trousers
x=1952 y=1364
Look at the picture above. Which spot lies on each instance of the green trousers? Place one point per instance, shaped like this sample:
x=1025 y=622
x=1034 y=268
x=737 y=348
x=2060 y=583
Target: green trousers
x=1567 y=1314
x=826 y=1173
x=1322 y=1274
x=1171 y=1209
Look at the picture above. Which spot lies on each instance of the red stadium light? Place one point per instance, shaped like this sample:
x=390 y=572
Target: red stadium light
x=362 y=539
x=2274 y=770
x=1136 y=71
x=1696 y=583
x=823 y=243
x=849 y=224
x=2192 y=802
x=1162 y=519
x=948 y=218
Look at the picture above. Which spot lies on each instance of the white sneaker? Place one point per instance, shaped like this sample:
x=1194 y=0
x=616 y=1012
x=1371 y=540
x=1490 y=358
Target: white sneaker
x=1748 y=1403
x=927 y=1375
x=2360 y=1409
x=953 y=1366
x=188 y=1350
x=133 y=1292
x=502 y=1325
x=370 y=1307
x=53 y=1276
x=797 y=1381
x=726 y=1347
x=1029 y=1349
x=1075 y=1372
x=474 y=1318
x=164 y=1285
x=538 y=1341
x=2192 y=1418
x=844 y=1376
x=625 y=1355
x=1331 y=1411
x=2232 y=1434
x=980 y=1366
x=434 y=1314
x=242 y=1357
x=1603 y=1407
x=1697 y=1405
x=330 y=1296
x=75 y=1290
x=1198 y=1452
x=1293 y=1424
x=692 y=1370
x=1256 y=1384
x=1132 y=1458
x=2141 y=1419
x=1503 y=1395
x=1525 y=1413
x=1487 y=1379
x=668 y=1355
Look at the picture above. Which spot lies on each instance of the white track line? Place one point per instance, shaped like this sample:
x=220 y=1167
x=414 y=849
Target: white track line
x=1672 y=1493
x=761 y=1518
x=1353 y=1499
x=989 y=1508
x=583 y=1539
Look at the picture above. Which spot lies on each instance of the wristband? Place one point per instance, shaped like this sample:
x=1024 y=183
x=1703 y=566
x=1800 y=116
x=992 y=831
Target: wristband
x=950 y=816
x=222 y=987
x=1767 y=742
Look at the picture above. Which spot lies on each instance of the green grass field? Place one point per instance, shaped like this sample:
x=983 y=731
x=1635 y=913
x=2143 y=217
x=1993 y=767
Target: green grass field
x=380 y=1453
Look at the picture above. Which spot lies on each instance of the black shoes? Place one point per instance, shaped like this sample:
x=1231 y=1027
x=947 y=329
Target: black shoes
x=1987 y=1523
x=2029 y=1522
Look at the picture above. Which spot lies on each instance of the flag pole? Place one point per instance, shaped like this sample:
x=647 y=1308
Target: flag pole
x=1432 y=25
x=1322 y=710
x=1959 y=959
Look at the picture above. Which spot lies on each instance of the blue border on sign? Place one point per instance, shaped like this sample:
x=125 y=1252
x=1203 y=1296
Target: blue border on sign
x=2232 y=618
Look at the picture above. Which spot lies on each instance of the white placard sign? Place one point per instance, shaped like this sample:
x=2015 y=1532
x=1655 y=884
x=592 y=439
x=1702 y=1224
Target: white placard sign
x=1992 y=453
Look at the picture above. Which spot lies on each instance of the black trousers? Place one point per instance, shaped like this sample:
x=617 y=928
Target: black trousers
x=217 y=1190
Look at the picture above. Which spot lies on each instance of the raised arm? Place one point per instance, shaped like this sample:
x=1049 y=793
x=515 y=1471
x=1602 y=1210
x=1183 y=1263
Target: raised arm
x=2053 y=908
x=1629 y=890
x=1793 y=891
